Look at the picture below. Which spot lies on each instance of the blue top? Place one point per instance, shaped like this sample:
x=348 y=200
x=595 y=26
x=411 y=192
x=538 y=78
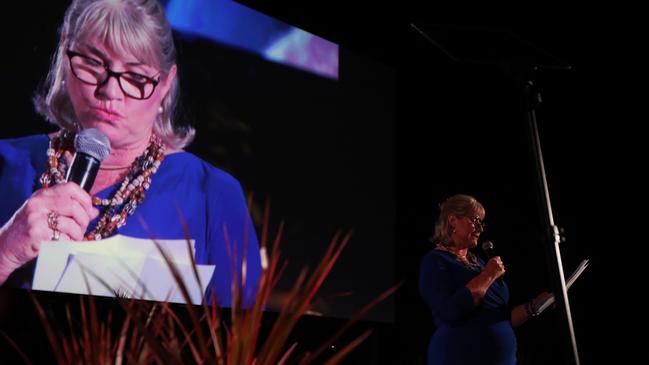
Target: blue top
x=466 y=333
x=207 y=199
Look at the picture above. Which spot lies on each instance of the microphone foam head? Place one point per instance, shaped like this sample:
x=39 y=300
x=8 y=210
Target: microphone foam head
x=487 y=245
x=92 y=142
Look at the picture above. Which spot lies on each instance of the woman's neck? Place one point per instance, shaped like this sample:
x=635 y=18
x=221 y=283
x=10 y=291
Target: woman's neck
x=459 y=252
x=117 y=165
x=122 y=157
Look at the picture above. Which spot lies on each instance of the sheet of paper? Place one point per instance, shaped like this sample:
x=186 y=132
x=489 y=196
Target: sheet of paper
x=120 y=265
x=575 y=274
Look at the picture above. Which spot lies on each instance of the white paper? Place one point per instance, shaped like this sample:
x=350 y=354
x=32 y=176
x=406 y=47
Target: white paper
x=126 y=266
x=548 y=302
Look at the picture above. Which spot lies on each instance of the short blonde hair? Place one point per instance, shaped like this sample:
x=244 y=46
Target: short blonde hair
x=138 y=27
x=459 y=205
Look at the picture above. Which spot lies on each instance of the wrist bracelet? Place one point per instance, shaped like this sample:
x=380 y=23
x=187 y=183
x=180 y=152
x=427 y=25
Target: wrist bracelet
x=530 y=310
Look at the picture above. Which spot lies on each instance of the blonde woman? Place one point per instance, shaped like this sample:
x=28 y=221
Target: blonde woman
x=468 y=299
x=115 y=71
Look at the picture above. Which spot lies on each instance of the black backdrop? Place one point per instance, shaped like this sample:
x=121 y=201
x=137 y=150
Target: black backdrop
x=460 y=129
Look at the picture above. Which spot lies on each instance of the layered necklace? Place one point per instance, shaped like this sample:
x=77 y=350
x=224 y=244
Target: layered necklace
x=121 y=202
x=470 y=261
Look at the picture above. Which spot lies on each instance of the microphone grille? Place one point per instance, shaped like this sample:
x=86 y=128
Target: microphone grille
x=487 y=245
x=92 y=142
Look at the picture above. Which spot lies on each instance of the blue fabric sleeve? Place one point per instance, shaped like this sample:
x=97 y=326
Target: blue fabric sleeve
x=21 y=162
x=229 y=224
x=449 y=300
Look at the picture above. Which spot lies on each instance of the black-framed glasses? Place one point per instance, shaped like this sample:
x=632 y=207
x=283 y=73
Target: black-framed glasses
x=477 y=223
x=94 y=72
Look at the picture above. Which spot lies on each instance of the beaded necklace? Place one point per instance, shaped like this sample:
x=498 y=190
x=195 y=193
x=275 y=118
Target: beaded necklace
x=470 y=262
x=122 y=201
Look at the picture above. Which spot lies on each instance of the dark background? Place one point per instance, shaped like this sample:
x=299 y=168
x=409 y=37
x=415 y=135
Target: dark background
x=460 y=129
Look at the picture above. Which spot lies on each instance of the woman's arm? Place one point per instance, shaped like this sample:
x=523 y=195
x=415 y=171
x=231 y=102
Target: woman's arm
x=520 y=314
x=447 y=297
x=479 y=285
x=21 y=236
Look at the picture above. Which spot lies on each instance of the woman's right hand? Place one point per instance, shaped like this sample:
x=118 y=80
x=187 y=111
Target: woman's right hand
x=494 y=268
x=479 y=285
x=21 y=236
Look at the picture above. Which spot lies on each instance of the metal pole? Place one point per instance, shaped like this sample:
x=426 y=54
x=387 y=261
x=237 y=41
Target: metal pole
x=531 y=98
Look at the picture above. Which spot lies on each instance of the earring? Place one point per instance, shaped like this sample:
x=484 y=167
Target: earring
x=452 y=229
x=160 y=109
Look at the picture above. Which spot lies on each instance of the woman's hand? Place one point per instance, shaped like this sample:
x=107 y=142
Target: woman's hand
x=494 y=268
x=65 y=208
x=538 y=300
x=479 y=285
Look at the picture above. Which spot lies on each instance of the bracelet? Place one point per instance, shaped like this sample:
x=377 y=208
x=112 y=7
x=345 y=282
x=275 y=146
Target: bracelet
x=530 y=310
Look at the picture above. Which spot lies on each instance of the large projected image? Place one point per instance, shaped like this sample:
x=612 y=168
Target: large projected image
x=279 y=114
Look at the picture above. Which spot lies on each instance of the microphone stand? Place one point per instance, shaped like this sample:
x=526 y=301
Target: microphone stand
x=531 y=98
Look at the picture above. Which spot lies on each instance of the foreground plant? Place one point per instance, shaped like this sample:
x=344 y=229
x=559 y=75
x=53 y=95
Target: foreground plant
x=153 y=332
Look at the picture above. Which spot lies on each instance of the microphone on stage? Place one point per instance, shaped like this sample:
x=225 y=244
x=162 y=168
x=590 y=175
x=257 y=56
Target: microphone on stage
x=92 y=147
x=488 y=249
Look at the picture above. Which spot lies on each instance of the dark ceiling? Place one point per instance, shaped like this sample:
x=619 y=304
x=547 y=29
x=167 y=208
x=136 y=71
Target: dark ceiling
x=384 y=31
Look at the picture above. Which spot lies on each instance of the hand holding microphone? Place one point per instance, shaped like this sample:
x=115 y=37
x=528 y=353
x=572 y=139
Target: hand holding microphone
x=68 y=207
x=61 y=211
x=69 y=218
x=495 y=265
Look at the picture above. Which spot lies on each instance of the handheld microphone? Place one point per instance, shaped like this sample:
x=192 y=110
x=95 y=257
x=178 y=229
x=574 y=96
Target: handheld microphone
x=488 y=249
x=92 y=147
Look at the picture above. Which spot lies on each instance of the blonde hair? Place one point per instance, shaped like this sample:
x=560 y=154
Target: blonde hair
x=138 y=27
x=459 y=205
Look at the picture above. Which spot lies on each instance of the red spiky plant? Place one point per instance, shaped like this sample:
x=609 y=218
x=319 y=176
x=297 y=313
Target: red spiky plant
x=152 y=332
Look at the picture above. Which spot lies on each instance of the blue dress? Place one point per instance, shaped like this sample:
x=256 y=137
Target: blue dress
x=466 y=333
x=207 y=199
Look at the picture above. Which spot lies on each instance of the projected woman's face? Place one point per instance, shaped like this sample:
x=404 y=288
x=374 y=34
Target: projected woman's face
x=115 y=92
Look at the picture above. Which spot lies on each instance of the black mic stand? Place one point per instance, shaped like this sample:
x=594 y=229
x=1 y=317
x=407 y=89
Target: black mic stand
x=531 y=98
x=522 y=69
